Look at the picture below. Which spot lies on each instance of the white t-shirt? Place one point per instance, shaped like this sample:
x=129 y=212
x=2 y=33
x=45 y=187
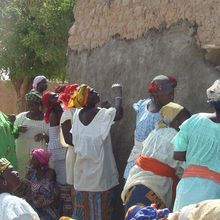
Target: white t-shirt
x=15 y=208
x=95 y=168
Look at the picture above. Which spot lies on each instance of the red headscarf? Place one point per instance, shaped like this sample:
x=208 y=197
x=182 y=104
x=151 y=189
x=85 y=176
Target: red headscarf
x=46 y=102
x=162 y=82
x=65 y=96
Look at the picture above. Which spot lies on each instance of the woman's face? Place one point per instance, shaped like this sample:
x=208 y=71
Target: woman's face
x=164 y=97
x=42 y=86
x=34 y=162
x=93 y=97
x=12 y=179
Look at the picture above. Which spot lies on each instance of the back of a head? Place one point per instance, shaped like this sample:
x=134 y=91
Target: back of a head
x=162 y=83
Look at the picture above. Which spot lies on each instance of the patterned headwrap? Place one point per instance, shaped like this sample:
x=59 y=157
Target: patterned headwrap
x=213 y=93
x=43 y=156
x=37 y=80
x=146 y=213
x=33 y=96
x=168 y=114
x=46 y=102
x=162 y=82
x=4 y=163
x=79 y=98
x=65 y=96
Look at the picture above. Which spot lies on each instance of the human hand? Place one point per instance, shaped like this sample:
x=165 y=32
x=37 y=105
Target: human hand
x=117 y=90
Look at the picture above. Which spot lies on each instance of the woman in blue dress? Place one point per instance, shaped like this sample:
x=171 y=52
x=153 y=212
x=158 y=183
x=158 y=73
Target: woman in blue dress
x=161 y=92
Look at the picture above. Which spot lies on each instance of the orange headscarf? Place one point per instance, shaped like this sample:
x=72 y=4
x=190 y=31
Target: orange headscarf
x=65 y=96
x=79 y=97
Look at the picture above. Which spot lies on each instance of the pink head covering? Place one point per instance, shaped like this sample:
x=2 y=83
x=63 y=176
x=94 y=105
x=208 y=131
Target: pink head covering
x=37 y=80
x=43 y=156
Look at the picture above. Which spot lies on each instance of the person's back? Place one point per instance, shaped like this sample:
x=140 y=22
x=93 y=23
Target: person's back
x=203 y=144
x=198 y=143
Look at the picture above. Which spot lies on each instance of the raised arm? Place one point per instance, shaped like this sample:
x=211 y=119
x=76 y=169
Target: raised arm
x=117 y=94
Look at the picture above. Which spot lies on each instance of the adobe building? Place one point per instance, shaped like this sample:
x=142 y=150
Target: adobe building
x=131 y=41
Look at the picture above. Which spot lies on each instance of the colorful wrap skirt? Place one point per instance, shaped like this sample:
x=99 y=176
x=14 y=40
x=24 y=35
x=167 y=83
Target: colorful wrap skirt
x=65 y=192
x=143 y=196
x=94 y=205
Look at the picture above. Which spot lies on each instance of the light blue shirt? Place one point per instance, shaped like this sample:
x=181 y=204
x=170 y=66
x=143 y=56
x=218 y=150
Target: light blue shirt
x=200 y=138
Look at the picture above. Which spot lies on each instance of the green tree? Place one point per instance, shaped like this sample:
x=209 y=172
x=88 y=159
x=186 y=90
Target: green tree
x=33 y=40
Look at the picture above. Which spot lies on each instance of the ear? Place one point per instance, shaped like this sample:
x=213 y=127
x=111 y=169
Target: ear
x=3 y=183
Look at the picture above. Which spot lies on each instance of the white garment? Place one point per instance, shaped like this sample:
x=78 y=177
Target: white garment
x=136 y=151
x=57 y=161
x=25 y=142
x=15 y=208
x=70 y=155
x=158 y=146
x=95 y=168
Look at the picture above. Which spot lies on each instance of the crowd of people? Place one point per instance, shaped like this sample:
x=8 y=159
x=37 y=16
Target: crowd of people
x=61 y=147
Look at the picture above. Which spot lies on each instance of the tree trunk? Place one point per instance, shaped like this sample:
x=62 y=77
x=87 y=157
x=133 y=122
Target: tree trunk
x=22 y=86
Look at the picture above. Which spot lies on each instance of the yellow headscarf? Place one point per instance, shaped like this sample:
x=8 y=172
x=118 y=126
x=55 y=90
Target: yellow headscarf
x=168 y=113
x=4 y=163
x=79 y=97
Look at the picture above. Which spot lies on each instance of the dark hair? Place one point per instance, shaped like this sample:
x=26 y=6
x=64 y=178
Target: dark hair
x=184 y=113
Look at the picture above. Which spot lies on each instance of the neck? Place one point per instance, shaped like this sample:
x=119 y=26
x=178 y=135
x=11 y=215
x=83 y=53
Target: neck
x=90 y=106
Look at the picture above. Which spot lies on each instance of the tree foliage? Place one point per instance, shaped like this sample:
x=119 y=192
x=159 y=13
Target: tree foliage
x=33 y=37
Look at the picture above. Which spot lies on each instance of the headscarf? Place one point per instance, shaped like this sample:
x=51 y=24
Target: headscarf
x=46 y=102
x=168 y=114
x=79 y=98
x=204 y=210
x=33 y=96
x=146 y=213
x=37 y=80
x=60 y=88
x=162 y=82
x=65 y=96
x=43 y=157
x=213 y=93
x=4 y=163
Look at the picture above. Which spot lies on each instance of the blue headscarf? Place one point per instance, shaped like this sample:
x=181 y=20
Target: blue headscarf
x=146 y=213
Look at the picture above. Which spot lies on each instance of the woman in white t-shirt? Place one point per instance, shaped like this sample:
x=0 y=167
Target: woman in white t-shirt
x=95 y=171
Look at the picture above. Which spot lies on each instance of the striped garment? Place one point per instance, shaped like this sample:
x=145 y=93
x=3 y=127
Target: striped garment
x=94 y=205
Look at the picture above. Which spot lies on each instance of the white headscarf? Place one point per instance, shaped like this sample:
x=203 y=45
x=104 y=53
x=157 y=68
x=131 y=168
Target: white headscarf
x=213 y=93
x=37 y=80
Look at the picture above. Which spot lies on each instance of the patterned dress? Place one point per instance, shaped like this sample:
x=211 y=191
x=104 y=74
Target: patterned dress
x=42 y=196
x=145 y=123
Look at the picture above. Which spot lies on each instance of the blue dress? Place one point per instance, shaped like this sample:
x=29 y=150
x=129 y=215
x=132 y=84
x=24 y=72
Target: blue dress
x=199 y=137
x=145 y=123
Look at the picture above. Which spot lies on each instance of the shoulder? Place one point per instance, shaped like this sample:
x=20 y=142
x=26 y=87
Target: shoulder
x=21 y=115
x=67 y=115
x=194 y=120
x=105 y=113
x=140 y=104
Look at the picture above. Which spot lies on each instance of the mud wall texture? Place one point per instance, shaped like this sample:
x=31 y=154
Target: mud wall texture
x=8 y=100
x=134 y=63
x=8 y=97
x=96 y=21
